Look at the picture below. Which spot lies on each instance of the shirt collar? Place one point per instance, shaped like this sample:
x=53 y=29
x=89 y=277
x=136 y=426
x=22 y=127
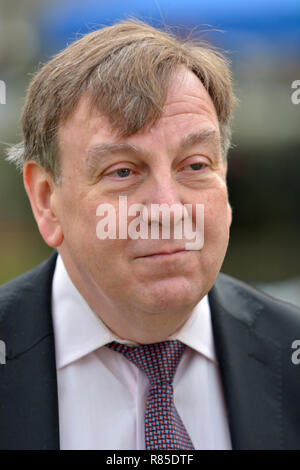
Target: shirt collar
x=78 y=331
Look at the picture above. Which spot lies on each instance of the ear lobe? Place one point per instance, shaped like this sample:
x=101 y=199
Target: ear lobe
x=41 y=191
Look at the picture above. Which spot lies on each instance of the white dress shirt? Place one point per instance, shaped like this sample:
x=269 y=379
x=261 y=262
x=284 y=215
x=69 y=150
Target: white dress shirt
x=102 y=395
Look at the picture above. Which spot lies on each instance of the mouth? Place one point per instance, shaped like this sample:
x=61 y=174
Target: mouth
x=165 y=254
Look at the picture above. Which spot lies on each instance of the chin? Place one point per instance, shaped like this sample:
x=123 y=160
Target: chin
x=172 y=296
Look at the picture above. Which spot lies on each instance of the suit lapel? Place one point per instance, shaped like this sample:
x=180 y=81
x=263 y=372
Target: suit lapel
x=250 y=367
x=28 y=384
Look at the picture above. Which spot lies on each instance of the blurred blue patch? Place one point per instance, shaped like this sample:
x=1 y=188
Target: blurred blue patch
x=269 y=24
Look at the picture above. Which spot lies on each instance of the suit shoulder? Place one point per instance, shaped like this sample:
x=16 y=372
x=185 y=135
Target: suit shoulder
x=13 y=292
x=246 y=297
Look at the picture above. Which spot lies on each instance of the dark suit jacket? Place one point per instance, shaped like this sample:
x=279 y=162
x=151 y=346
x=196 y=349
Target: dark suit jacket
x=253 y=335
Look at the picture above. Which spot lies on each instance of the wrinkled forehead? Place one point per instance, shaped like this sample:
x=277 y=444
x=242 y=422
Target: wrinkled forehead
x=188 y=116
x=185 y=86
x=185 y=93
x=182 y=83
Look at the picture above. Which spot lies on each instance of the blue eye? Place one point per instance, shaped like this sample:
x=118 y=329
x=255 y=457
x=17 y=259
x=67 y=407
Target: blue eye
x=123 y=172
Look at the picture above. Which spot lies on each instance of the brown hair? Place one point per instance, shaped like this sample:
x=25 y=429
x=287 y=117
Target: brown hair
x=125 y=69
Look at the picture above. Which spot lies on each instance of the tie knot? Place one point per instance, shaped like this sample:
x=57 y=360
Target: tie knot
x=159 y=361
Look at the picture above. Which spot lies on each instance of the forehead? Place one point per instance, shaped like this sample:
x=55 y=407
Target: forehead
x=188 y=108
x=186 y=94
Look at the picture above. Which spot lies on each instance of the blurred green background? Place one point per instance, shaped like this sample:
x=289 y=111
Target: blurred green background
x=264 y=165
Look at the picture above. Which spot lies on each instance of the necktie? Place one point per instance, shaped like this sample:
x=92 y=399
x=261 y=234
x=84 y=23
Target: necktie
x=164 y=428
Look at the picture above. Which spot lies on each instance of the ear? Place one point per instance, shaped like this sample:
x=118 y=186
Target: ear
x=229 y=213
x=41 y=191
x=229 y=208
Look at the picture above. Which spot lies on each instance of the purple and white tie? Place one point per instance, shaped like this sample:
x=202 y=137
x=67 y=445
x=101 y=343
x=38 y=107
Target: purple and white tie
x=164 y=428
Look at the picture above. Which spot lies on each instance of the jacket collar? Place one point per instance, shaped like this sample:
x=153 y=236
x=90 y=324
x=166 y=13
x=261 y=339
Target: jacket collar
x=29 y=296
x=28 y=383
x=250 y=366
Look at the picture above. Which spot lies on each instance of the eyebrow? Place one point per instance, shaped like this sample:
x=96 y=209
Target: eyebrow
x=104 y=150
x=200 y=137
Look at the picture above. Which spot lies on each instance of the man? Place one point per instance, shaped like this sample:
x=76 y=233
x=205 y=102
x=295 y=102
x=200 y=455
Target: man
x=120 y=342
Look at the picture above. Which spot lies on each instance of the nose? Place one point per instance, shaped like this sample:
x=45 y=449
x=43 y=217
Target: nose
x=163 y=201
x=162 y=189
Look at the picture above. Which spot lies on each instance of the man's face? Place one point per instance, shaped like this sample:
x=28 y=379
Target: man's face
x=170 y=163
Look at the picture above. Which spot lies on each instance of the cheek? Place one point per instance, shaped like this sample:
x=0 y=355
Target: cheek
x=108 y=264
x=78 y=221
x=216 y=218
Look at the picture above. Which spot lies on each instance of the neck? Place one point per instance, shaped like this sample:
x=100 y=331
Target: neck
x=124 y=319
x=135 y=324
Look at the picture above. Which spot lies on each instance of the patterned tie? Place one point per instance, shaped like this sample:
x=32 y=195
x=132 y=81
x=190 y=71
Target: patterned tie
x=163 y=426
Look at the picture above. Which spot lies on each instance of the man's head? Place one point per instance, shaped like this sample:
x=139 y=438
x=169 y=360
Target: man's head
x=124 y=70
x=129 y=110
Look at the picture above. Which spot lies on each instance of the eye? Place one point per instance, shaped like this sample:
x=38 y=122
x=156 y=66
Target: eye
x=197 y=166
x=121 y=172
